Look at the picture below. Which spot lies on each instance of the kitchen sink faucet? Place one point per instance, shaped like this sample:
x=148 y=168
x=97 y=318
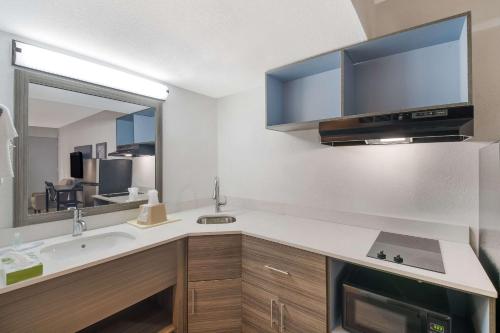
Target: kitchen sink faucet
x=79 y=225
x=216 y=196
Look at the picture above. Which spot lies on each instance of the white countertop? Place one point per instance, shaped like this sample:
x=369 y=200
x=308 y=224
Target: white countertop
x=348 y=243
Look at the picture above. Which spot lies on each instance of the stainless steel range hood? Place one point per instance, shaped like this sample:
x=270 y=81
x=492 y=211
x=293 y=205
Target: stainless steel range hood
x=135 y=150
x=136 y=134
x=436 y=125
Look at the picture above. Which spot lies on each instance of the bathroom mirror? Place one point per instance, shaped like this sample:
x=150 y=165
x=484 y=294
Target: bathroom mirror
x=83 y=146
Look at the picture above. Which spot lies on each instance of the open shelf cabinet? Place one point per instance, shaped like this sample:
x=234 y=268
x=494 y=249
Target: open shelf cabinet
x=152 y=315
x=426 y=67
x=304 y=93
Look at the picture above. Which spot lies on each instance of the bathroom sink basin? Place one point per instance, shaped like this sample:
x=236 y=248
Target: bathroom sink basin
x=216 y=219
x=81 y=247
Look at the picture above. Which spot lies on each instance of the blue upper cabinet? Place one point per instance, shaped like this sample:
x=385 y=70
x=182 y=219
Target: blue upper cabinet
x=144 y=126
x=420 y=68
x=125 y=130
x=301 y=94
x=137 y=127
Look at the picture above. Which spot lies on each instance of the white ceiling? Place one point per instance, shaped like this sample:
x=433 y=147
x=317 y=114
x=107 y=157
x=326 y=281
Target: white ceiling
x=55 y=108
x=214 y=47
x=50 y=114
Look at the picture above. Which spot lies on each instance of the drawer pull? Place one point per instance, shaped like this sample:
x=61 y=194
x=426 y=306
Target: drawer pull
x=192 y=301
x=272 y=313
x=276 y=270
x=282 y=318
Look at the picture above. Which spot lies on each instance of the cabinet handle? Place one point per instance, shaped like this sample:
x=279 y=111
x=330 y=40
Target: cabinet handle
x=192 y=301
x=276 y=270
x=282 y=319
x=272 y=313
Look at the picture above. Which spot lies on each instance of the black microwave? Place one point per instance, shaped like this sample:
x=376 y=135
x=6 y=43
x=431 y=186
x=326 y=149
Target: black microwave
x=376 y=302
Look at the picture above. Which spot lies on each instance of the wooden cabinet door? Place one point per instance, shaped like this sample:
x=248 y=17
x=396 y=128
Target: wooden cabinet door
x=296 y=319
x=263 y=312
x=214 y=257
x=214 y=306
x=260 y=310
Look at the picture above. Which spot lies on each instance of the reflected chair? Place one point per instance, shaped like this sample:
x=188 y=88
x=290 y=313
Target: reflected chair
x=66 y=199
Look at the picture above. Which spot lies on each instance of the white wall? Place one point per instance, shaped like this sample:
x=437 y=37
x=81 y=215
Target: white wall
x=190 y=148
x=42 y=162
x=432 y=182
x=143 y=172
x=43 y=132
x=42 y=150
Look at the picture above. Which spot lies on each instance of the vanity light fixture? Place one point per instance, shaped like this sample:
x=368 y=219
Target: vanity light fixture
x=388 y=141
x=41 y=59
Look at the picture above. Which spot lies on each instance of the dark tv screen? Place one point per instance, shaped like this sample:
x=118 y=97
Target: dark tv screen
x=76 y=159
x=115 y=176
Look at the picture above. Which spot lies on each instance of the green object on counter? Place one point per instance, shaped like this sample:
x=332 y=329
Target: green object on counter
x=23 y=274
x=17 y=266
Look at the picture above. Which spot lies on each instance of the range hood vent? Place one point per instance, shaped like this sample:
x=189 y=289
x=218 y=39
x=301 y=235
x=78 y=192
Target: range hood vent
x=135 y=150
x=435 y=125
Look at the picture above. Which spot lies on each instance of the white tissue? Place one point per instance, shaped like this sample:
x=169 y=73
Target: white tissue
x=133 y=193
x=153 y=197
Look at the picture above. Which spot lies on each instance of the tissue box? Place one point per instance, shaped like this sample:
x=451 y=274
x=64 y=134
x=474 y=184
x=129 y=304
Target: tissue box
x=19 y=266
x=152 y=214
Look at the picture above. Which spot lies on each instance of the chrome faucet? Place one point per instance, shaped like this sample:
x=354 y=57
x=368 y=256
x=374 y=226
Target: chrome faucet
x=216 y=196
x=79 y=225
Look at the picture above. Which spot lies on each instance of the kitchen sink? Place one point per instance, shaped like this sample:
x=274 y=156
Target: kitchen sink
x=216 y=219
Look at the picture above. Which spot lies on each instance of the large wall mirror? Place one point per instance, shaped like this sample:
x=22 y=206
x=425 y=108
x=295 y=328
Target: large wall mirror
x=83 y=146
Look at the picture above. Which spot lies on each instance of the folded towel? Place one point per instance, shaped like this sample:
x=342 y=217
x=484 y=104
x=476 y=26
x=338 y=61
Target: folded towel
x=7 y=134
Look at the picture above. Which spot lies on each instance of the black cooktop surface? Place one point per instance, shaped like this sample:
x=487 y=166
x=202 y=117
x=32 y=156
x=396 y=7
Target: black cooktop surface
x=412 y=251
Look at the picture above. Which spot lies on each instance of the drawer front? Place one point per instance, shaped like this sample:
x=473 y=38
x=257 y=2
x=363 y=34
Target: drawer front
x=72 y=302
x=214 y=257
x=296 y=276
x=214 y=306
x=256 y=310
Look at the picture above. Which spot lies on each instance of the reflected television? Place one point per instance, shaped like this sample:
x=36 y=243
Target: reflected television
x=76 y=160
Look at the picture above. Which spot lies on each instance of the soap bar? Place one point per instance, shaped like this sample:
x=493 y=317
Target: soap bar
x=19 y=266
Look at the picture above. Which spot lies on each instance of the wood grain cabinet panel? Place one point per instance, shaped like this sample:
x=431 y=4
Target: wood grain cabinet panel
x=263 y=312
x=296 y=319
x=296 y=279
x=260 y=310
x=214 y=306
x=295 y=275
x=72 y=302
x=214 y=257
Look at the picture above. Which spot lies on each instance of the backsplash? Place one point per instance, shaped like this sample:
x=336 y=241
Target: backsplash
x=435 y=182
x=449 y=232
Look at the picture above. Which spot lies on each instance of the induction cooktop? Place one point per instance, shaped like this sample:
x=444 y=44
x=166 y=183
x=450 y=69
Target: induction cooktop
x=412 y=251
